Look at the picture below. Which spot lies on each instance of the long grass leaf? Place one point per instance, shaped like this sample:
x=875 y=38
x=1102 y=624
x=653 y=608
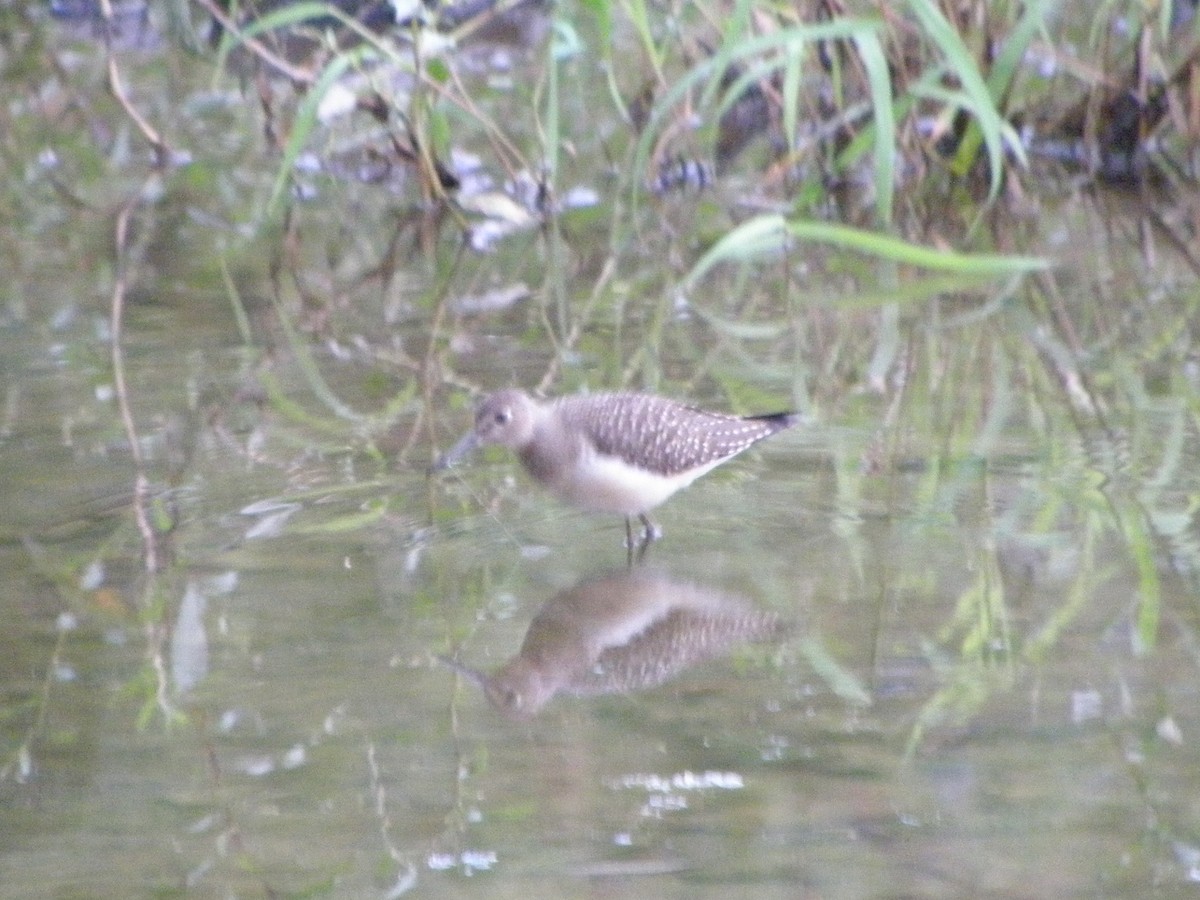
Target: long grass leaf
x=285 y=17
x=769 y=234
x=303 y=125
x=901 y=251
x=975 y=97
x=753 y=238
x=1016 y=43
x=640 y=18
x=1000 y=79
x=736 y=26
x=308 y=366
x=874 y=60
x=843 y=682
x=345 y=524
x=1149 y=610
x=235 y=301
x=793 y=70
x=842 y=29
x=743 y=331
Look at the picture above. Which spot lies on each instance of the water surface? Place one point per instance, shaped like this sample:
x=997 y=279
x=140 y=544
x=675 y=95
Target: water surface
x=983 y=547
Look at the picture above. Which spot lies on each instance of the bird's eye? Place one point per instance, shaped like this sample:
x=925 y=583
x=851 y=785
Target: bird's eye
x=501 y=416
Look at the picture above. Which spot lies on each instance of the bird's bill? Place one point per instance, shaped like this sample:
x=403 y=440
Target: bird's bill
x=468 y=443
x=472 y=675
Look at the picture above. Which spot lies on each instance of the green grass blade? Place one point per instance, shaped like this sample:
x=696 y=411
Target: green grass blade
x=1001 y=77
x=793 y=71
x=768 y=234
x=304 y=124
x=975 y=96
x=285 y=17
x=842 y=29
x=842 y=681
x=874 y=60
x=1149 y=611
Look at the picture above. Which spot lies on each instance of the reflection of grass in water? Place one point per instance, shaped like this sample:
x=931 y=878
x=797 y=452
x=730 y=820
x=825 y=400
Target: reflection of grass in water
x=1080 y=511
x=964 y=368
x=954 y=367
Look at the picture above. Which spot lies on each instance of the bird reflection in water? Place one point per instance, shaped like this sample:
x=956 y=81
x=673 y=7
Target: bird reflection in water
x=618 y=634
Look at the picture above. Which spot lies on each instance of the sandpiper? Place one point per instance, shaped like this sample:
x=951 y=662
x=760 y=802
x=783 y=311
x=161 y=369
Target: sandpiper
x=624 y=453
x=620 y=633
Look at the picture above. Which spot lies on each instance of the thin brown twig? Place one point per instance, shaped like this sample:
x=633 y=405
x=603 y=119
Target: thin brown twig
x=153 y=559
x=296 y=74
x=117 y=86
x=510 y=155
x=118 y=91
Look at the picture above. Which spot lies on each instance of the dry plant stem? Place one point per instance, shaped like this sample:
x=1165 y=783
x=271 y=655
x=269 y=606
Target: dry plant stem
x=510 y=156
x=415 y=122
x=432 y=367
x=21 y=765
x=152 y=549
x=118 y=91
x=153 y=555
x=473 y=24
x=379 y=790
x=299 y=76
x=157 y=635
x=683 y=123
x=1156 y=221
x=141 y=492
x=576 y=332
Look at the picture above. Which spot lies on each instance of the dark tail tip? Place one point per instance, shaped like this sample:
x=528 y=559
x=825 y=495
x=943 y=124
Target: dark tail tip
x=781 y=420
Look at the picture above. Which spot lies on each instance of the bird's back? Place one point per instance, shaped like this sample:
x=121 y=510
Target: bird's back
x=662 y=436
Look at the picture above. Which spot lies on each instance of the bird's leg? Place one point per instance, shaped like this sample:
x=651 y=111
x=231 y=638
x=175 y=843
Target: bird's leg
x=650 y=531
x=650 y=534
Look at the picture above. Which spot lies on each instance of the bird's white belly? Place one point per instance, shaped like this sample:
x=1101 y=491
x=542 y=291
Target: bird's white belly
x=609 y=484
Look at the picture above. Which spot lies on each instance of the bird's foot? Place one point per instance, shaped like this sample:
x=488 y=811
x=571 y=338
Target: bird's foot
x=650 y=531
x=650 y=534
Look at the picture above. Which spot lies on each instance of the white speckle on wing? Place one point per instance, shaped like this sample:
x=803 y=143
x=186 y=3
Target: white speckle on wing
x=661 y=435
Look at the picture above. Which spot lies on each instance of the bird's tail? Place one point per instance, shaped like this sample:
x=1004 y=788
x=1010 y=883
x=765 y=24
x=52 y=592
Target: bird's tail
x=781 y=420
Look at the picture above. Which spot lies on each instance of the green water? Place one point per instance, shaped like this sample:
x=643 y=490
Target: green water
x=984 y=544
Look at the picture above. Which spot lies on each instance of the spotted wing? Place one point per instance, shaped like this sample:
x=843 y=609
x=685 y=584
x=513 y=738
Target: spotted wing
x=663 y=436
